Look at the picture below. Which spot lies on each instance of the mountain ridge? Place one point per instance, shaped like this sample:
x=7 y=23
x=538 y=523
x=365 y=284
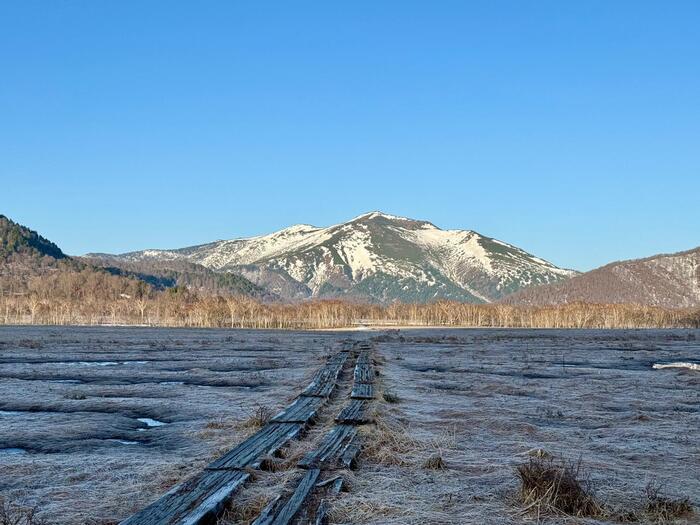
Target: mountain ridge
x=375 y=255
x=665 y=279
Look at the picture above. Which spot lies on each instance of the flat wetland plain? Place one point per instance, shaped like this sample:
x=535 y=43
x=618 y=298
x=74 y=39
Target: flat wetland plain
x=95 y=423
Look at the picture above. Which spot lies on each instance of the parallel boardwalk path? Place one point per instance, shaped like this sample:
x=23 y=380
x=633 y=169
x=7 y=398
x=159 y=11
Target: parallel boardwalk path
x=201 y=498
x=338 y=449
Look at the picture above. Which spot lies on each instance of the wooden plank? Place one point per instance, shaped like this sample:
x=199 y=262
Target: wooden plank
x=265 y=442
x=325 y=379
x=196 y=501
x=349 y=457
x=303 y=410
x=364 y=371
x=355 y=413
x=202 y=497
x=331 y=449
x=362 y=391
x=282 y=511
x=322 y=513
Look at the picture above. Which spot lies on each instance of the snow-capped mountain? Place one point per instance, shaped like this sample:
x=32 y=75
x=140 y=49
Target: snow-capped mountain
x=377 y=256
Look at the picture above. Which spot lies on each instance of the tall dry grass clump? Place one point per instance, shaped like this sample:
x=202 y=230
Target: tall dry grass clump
x=258 y=418
x=557 y=486
x=662 y=509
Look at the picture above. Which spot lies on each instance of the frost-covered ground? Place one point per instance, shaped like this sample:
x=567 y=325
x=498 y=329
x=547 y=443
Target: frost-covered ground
x=483 y=399
x=80 y=414
x=81 y=409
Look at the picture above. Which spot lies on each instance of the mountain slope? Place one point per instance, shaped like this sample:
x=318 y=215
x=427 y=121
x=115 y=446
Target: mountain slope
x=377 y=256
x=669 y=280
x=16 y=239
x=162 y=275
x=31 y=263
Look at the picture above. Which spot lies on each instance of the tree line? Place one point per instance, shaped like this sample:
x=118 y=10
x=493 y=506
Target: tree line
x=92 y=297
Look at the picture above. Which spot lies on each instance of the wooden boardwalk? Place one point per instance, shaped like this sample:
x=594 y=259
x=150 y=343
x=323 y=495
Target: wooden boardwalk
x=202 y=497
x=338 y=450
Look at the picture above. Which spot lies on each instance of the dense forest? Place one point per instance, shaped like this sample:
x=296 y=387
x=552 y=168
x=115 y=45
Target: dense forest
x=39 y=284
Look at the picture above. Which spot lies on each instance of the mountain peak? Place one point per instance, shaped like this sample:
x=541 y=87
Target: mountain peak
x=376 y=217
x=379 y=215
x=376 y=256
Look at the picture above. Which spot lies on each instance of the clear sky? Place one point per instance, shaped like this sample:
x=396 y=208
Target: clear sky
x=570 y=129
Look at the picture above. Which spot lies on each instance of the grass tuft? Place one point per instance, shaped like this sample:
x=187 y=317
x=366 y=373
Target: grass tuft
x=260 y=417
x=75 y=395
x=663 y=509
x=390 y=397
x=551 y=486
x=435 y=462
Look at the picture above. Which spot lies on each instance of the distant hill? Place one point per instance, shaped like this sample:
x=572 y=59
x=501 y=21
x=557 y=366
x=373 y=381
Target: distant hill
x=32 y=263
x=162 y=275
x=376 y=257
x=18 y=239
x=668 y=280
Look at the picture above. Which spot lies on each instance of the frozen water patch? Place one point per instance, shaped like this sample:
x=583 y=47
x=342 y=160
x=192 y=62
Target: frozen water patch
x=171 y=383
x=13 y=451
x=151 y=422
x=92 y=363
x=100 y=363
x=678 y=364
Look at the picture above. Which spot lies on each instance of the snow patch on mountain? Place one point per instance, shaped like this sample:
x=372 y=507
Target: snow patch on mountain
x=384 y=256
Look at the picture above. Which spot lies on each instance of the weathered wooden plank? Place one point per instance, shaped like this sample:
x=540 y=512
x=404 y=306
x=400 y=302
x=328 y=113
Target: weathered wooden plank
x=331 y=449
x=337 y=486
x=349 y=457
x=364 y=371
x=264 y=442
x=303 y=410
x=362 y=391
x=355 y=413
x=282 y=511
x=196 y=501
x=202 y=497
x=322 y=513
x=325 y=379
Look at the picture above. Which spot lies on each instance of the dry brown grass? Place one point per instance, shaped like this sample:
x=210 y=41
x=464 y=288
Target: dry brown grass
x=246 y=511
x=556 y=486
x=15 y=514
x=435 y=462
x=247 y=504
x=260 y=417
x=217 y=424
x=662 y=509
x=551 y=486
x=388 y=443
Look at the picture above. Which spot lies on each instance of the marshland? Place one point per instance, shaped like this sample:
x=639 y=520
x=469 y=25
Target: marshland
x=95 y=423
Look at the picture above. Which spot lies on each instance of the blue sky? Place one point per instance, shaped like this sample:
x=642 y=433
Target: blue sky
x=571 y=129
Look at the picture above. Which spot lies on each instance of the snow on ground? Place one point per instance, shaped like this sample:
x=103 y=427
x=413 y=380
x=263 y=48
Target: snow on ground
x=689 y=366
